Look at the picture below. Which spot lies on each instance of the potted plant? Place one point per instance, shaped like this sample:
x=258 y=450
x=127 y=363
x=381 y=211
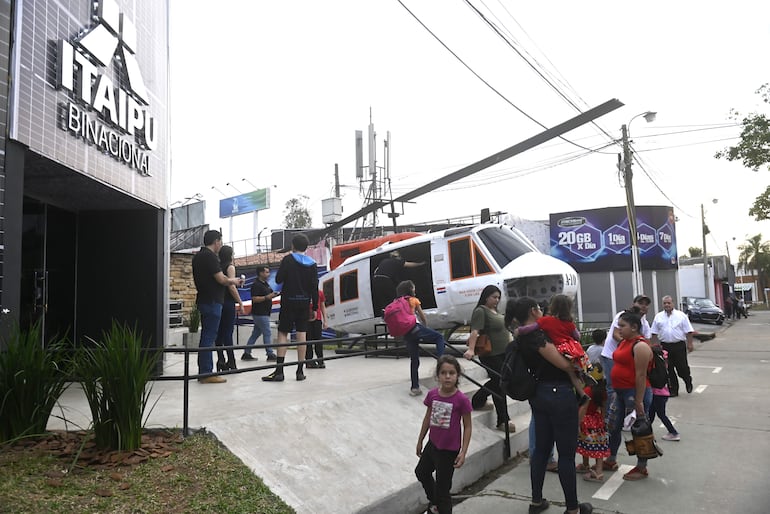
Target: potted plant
x=192 y=337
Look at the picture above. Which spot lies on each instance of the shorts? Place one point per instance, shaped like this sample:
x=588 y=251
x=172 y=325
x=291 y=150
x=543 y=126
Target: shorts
x=294 y=315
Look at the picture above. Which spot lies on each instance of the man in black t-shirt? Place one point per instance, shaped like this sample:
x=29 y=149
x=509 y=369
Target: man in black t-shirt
x=261 y=305
x=387 y=276
x=210 y=283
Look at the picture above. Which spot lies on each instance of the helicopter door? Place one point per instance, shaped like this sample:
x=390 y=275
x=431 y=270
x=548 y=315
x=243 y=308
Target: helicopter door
x=384 y=283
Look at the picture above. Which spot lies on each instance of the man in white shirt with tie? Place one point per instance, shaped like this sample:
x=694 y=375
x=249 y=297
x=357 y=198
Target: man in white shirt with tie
x=673 y=330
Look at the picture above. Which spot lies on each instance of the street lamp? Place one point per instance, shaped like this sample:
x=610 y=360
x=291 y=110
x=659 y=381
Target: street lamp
x=259 y=238
x=636 y=276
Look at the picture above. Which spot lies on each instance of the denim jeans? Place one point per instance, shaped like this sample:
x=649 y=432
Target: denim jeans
x=607 y=364
x=261 y=328
x=532 y=438
x=211 y=313
x=555 y=410
x=421 y=334
x=624 y=403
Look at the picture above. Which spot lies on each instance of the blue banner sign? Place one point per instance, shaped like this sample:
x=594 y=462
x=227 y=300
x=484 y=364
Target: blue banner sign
x=599 y=239
x=245 y=203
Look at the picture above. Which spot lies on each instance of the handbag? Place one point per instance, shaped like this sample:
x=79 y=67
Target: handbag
x=483 y=345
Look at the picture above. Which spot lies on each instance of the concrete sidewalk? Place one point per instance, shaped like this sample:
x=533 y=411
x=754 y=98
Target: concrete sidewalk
x=342 y=441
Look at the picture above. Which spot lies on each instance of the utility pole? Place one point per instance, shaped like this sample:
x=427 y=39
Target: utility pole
x=336 y=180
x=628 y=175
x=704 y=229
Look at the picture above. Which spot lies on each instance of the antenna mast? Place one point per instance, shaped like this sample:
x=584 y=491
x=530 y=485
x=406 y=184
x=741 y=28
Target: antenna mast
x=374 y=184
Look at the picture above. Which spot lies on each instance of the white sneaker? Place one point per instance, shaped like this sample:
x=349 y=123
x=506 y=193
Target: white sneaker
x=671 y=437
x=415 y=392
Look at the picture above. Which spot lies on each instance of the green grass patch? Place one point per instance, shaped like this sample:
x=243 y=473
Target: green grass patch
x=199 y=475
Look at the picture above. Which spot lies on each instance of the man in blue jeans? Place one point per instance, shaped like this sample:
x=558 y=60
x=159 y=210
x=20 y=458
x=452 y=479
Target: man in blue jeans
x=210 y=283
x=261 y=305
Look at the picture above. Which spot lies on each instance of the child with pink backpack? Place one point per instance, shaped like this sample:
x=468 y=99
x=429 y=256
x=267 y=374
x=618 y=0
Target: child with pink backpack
x=399 y=316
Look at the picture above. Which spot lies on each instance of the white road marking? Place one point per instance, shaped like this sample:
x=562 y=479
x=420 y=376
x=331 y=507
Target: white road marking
x=672 y=419
x=700 y=388
x=612 y=484
x=715 y=369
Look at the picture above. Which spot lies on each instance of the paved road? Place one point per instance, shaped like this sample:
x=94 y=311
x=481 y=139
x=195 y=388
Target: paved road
x=722 y=463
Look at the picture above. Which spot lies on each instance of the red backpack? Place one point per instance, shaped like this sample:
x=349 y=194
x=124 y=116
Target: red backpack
x=399 y=317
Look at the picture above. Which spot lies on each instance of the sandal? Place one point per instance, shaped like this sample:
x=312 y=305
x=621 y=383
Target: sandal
x=553 y=467
x=610 y=465
x=636 y=474
x=591 y=476
x=581 y=468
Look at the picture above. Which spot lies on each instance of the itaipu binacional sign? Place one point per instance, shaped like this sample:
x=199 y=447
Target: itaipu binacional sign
x=115 y=119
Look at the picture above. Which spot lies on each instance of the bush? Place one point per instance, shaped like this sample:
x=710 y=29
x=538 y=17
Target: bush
x=115 y=374
x=195 y=320
x=32 y=378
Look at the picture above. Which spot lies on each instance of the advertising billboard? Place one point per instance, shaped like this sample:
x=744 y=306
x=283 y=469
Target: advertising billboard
x=599 y=239
x=245 y=203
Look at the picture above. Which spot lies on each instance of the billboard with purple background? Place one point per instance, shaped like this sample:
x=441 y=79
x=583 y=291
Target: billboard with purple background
x=599 y=239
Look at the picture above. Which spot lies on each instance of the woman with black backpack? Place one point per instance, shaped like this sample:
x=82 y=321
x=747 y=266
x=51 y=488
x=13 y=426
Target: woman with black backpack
x=554 y=408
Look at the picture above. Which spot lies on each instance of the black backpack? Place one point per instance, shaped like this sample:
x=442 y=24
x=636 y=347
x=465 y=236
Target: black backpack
x=657 y=373
x=516 y=380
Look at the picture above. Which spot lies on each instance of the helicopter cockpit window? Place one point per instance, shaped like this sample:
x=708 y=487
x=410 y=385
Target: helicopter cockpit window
x=460 y=258
x=482 y=266
x=503 y=244
x=348 y=286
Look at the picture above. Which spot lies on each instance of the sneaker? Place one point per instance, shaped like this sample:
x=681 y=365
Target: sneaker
x=273 y=377
x=671 y=437
x=321 y=365
x=415 y=392
x=300 y=376
x=271 y=357
x=212 y=380
x=248 y=357
x=540 y=507
x=635 y=474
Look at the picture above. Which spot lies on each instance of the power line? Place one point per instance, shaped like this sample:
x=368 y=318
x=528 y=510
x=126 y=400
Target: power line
x=711 y=127
x=497 y=31
x=689 y=144
x=644 y=170
x=467 y=66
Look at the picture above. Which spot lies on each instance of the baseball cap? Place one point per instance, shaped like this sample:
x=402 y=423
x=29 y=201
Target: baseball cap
x=642 y=298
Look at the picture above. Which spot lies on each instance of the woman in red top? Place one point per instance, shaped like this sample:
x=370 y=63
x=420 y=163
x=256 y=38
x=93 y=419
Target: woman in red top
x=629 y=380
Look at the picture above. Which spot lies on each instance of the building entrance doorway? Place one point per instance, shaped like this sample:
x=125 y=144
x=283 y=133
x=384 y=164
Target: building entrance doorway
x=48 y=269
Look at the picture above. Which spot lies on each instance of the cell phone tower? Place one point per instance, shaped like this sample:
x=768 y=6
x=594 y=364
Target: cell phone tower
x=373 y=178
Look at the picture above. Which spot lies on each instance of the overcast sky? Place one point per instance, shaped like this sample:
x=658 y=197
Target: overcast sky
x=273 y=92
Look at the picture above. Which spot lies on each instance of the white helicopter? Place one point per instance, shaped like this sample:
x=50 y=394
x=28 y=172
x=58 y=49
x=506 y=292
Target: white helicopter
x=459 y=263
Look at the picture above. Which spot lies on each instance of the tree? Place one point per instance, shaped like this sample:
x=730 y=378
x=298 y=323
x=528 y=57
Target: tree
x=755 y=255
x=695 y=252
x=296 y=214
x=753 y=150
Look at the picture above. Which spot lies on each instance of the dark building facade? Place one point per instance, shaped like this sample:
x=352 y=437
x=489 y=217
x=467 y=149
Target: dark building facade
x=84 y=165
